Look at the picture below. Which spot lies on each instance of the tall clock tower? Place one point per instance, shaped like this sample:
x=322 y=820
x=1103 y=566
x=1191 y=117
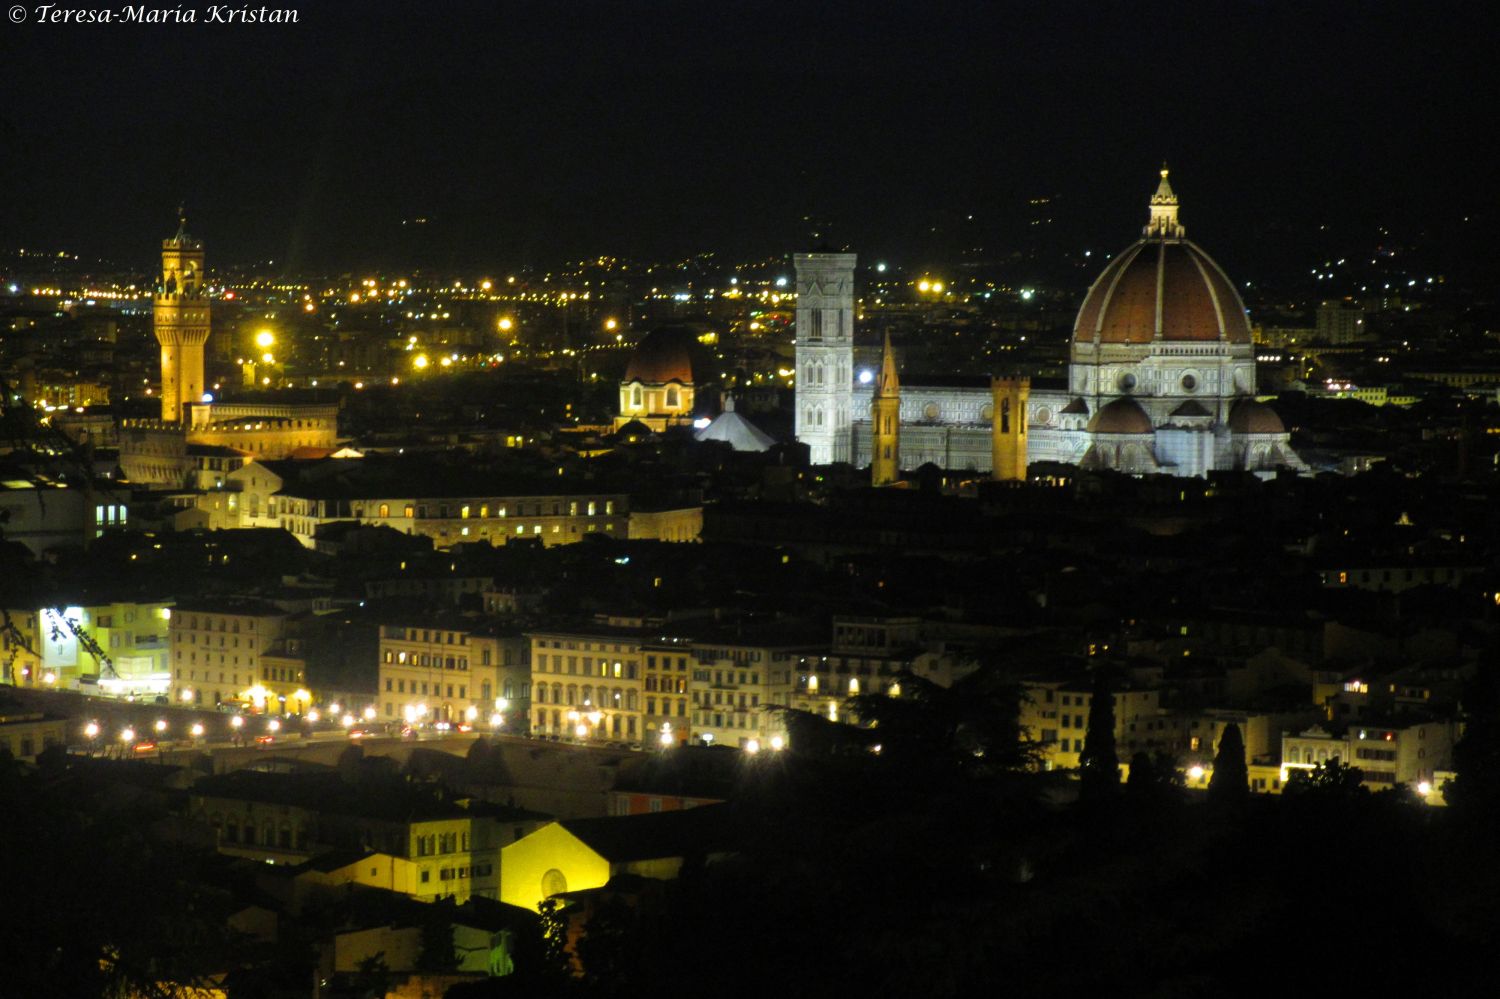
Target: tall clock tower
x=825 y=355
x=181 y=323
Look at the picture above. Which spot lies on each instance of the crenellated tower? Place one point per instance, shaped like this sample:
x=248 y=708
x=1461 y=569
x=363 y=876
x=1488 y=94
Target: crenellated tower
x=825 y=355
x=181 y=322
x=885 y=419
x=1010 y=397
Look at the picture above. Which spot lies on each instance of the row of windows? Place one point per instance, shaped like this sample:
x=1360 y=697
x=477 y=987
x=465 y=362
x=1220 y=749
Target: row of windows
x=419 y=511
x=229 y=624
x=604 y=667
x=572 y=694
x=430 y=661
x=208 y=640
x=436 y=691
x=441 y=843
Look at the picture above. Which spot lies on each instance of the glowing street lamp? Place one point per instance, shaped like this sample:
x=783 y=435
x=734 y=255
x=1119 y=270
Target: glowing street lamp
x=91 y=730
x=581 y=731
x=370 y=713
x=274 y=725
x=752 y=747
x=777 y=743
x=161 y=725
x=127 y=735
x=237 y=721
x=197 y=730
x=506 y=324
x=497 y=720
x=347 y=721
x=265 y=339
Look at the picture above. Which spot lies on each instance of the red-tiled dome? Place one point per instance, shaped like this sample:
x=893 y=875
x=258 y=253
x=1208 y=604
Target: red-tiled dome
x=665 y=355
x=1162 y=289
x=1123 y=416
x=1250 y=417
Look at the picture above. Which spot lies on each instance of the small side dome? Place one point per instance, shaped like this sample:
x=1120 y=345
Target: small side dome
x=1251 y=417
x=1123 y=416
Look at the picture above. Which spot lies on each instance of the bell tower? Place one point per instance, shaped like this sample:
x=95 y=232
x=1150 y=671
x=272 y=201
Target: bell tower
x=1010 y=396
x=885 y=420
x=825 y=355
x=181 y=322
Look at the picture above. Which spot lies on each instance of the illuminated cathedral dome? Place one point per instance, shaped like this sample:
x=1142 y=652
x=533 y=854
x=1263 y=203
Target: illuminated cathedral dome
x=662 y=378
x=665 y=355
x=1163 y=288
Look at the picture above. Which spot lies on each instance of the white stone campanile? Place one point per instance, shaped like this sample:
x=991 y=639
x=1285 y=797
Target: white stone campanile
x=825 y=354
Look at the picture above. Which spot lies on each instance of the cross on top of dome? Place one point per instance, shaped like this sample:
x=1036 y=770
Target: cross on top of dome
x=1163 y=221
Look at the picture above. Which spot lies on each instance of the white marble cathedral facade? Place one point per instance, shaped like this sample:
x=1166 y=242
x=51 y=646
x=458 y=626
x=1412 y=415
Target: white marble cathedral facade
x=1161 y=375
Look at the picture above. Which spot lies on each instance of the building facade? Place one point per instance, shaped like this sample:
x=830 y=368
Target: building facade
x=1161 y=377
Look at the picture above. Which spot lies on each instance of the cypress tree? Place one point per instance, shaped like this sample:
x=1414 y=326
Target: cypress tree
x=1099 y=762
x=1231 y=777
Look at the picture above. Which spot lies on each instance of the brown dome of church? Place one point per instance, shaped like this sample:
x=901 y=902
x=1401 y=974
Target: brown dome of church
x=665 y=355
x=1123 y=416
x=1250 y=417
x=1163 y=288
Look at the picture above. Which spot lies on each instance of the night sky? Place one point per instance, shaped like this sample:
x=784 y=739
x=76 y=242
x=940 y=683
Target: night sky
x=528 y=133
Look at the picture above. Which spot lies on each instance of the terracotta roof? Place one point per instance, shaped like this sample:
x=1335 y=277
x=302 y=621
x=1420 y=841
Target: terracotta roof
x=1123 y=416
x=1076 y=408
x=665 y=355
x=1165 y=289
x=1251 y=417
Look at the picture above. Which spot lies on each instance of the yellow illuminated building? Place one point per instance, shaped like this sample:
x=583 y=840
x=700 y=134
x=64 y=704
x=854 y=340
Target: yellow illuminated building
x=587 y=683
x=216 y=649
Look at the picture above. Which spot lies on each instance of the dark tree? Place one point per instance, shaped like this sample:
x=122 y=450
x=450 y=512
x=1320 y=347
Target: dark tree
x=609 y=948
x=438 y=953
x=373 y=977
x=1142 y=782
x=1099 y=764
x=1332 y=779
x=1231 y=778
x=972 y=726
x=1474 y=791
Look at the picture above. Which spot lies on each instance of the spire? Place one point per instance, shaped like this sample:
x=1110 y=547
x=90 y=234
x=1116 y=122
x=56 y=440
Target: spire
x=1163 y=221
x=887 y=384
x=181 y=222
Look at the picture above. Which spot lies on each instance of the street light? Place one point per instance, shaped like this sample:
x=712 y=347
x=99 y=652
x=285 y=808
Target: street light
x=274 y=725
x=127 y=735
x=161 y=725
x=347 y=721
x=264 y=339
x=197 y=730
x=752 y=747
x=237 y=721
x=91 y=730
x=370 y=713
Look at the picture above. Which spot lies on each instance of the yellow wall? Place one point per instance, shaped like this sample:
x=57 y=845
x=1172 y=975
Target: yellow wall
x=524 y=864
